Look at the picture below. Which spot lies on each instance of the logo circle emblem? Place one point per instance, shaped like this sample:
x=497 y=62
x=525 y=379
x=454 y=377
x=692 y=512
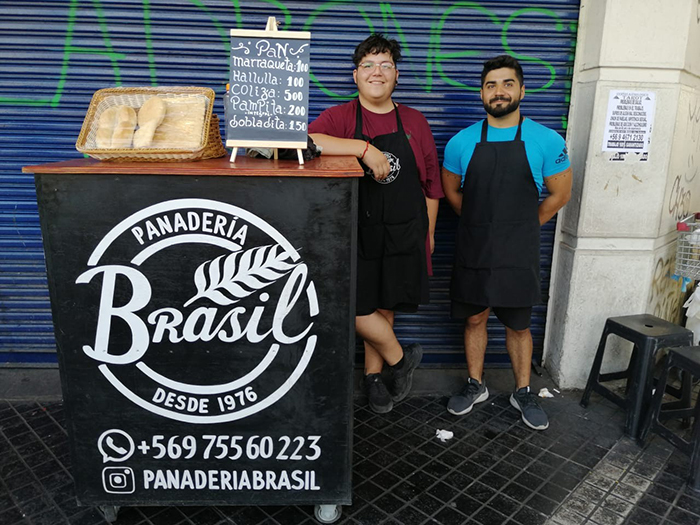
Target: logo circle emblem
x=394 y=169
x=205 y=311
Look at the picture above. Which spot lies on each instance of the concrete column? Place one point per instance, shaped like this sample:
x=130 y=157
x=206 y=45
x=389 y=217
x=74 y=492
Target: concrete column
x=615 y=245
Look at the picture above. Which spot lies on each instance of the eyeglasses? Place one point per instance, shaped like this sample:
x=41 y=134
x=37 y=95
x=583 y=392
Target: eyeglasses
x=384 y=66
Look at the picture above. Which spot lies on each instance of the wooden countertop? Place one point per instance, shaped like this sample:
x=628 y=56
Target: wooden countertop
x=329 y=166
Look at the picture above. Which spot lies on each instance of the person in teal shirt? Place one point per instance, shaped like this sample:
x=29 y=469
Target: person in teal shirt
x=492 y=175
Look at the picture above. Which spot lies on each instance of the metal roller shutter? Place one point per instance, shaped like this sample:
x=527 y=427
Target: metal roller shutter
x=55 y=54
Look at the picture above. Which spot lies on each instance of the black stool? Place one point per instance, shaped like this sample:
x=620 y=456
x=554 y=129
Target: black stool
x=648 y=334
x=687 y=360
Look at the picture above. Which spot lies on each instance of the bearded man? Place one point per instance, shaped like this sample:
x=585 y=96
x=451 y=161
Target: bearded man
x=493 y=173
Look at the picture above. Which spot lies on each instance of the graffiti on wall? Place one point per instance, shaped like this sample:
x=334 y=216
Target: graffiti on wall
x=444 y=41
x=693 y=157
x=687 y=165
x=679 y=199
x=665 y=296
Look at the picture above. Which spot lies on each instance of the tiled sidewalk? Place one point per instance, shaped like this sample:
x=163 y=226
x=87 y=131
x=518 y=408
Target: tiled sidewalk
x=494 y=471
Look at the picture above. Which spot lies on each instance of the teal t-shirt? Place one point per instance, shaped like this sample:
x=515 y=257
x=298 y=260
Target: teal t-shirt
x=545 y=149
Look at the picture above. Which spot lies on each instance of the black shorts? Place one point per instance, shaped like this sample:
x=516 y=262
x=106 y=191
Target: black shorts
x=404 y=308
x=513 y=318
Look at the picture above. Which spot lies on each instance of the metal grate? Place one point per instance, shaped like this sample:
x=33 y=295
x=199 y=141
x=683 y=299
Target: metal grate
x=688 y=247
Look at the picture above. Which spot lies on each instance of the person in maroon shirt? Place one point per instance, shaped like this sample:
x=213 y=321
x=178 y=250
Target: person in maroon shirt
x=398 y=203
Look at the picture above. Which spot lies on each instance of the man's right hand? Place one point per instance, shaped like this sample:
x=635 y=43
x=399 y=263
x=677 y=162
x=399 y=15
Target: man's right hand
x=377 y=162
x=373 y=158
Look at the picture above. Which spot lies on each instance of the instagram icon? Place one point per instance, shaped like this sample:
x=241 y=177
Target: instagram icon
x=118 y=480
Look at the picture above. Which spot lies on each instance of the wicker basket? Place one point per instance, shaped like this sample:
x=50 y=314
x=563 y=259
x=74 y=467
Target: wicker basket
x=203 y=140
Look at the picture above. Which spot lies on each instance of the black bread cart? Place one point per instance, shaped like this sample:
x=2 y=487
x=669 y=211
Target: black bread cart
x=204 y=321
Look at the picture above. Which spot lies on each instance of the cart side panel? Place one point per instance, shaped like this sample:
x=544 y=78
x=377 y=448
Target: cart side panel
x=205 y=335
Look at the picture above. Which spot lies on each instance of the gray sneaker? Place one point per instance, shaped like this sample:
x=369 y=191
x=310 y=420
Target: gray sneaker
x=472 y=393
x=531 y=411
x=402 y=379
x=377 y=395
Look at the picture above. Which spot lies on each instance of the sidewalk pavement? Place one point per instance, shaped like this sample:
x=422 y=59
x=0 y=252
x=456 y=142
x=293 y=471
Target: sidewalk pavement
x=493 y=471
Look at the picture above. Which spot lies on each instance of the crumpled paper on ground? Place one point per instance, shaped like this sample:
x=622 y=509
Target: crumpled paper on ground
x=443 y=435
x=544 y=392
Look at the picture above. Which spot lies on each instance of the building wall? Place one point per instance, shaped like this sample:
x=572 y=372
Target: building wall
x=54 y=54
x=615 y=250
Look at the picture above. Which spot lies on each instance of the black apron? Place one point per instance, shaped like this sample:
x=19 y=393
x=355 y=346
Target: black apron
x=392 y=227
x=498 y=239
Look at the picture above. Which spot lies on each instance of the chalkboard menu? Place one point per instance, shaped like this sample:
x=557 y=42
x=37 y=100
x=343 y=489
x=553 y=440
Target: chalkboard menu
x=268 y=98
x=205 y=333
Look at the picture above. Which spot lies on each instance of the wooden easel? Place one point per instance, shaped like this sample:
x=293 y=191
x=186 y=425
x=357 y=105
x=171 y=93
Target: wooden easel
x=271 y=26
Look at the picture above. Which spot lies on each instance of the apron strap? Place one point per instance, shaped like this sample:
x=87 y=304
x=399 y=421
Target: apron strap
x=358 y=122
x=399 y=124
x=518 y=133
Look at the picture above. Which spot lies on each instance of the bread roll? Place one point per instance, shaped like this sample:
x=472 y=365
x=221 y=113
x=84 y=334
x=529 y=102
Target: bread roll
x=105 y=127
x=183 y=125
x=124 y=131
x=115 y=127
x=150 y=116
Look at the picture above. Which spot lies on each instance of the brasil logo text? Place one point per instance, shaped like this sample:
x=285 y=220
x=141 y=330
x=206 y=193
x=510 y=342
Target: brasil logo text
x=205 y=311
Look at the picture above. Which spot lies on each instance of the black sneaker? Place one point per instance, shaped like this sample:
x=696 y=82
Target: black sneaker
x=472 y=393
x=377 y=394
x=530 y=410
x=402 y=378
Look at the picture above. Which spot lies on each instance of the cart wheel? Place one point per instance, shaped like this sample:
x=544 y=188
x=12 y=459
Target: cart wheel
x=327 y=513
x=110 y=512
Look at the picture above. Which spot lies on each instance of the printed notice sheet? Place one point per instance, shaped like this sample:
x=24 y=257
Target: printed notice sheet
x=629 y=121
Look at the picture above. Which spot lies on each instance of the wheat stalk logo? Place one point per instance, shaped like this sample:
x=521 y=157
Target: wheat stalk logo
x=228 y=279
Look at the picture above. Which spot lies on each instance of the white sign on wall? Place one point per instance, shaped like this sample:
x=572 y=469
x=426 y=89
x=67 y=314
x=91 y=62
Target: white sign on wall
x=629 y=121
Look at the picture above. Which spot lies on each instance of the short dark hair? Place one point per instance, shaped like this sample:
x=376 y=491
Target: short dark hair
x=374 y=44
x=499 y=62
